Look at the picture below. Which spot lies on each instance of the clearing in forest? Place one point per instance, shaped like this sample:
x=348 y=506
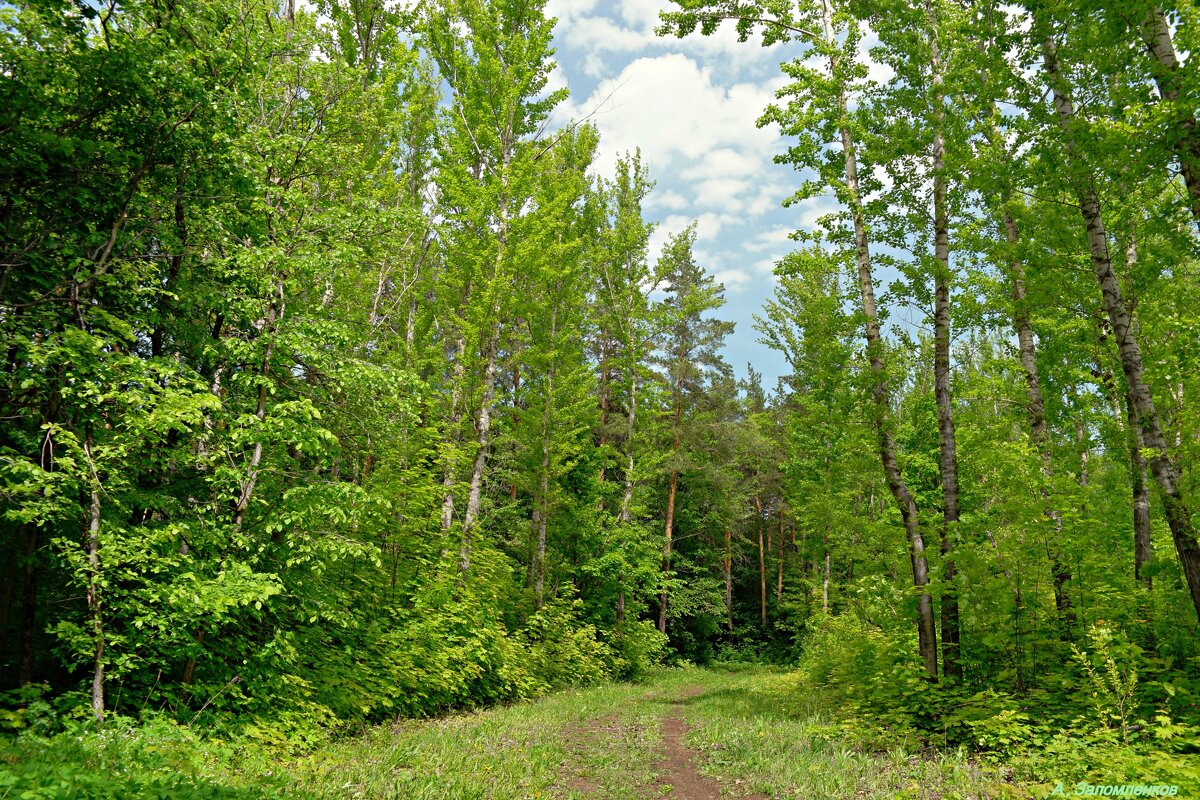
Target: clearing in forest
x=692 y=734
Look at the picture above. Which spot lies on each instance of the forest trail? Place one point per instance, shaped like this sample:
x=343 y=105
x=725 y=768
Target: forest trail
x=677 y=770
x=687 y=734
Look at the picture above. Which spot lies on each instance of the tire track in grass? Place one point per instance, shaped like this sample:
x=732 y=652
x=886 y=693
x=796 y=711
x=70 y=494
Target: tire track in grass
x=679 y=777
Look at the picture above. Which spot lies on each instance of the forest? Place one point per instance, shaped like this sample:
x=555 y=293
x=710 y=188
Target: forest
x=341 y=389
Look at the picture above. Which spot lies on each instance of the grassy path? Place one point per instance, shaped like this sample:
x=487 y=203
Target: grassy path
x=685 y=734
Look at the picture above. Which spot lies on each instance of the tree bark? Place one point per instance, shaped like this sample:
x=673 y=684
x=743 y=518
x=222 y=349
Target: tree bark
x=1156 y=35
x=458 y=375
x=95 y=610
x=926 y=630
x=947 y=451
x=1036 y=407
x=762 y=562
x=670 y=522
x=779 y=562
x=1143 y=549
x=728 y=567
x=1164 y=469
x=825 y=585
x=605 y=403
x=543 y=510
x=483 y=438
x=246 y=492
x=627 y=498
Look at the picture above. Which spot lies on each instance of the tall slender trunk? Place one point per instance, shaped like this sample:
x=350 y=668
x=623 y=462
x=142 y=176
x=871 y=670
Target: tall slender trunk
x=926 y=630
x=626 y=512
x=250 y=481
x=1164 y=469
x=1085 y=451
x=458 y=375
x=605 y=402
x=1156 y=35
x=779 y=562
x=516 y=417
x=825 y=583
x=1143 y=548
x=947 y=451
x=1036 y=408
x=95 y=609
x=542 y=512
x=627 y=497
x=483 y=438
x=727 y=565
x=670 y=522
x=762 y=562
x=483 y=429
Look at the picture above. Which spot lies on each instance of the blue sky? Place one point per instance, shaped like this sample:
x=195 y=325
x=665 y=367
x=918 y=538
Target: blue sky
x=691 y=106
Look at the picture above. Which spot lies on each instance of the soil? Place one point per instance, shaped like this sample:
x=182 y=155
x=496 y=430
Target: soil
x=676 y=774
x=677 y=768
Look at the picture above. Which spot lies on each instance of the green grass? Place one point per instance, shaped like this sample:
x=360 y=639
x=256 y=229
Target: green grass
x=750 y=728
x=753 y=731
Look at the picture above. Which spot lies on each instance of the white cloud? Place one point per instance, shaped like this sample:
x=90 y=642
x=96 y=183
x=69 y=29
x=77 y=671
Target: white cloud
x=667 y=228
x=765 y=266
x=734 y=279
x=567 y=11
x=880 y=73
x=810 y=211
x=668 y=199
x=688 y=127
x=630 y=28
x=773 y=240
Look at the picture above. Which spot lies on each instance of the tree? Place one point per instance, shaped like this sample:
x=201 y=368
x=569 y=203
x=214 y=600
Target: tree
x=689 y=358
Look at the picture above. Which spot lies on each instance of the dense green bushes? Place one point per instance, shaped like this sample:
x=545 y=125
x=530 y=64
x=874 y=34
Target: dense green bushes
x=1111 y=714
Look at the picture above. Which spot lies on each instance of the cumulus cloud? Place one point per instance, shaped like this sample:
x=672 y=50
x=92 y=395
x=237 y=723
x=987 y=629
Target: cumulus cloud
x=809 y=212
x=772 y=240
x=690 y=105
x=735 y=280
x=691 y=130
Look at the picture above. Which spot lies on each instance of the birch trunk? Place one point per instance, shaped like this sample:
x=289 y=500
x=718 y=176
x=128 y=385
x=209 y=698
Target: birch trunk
x=728 y=567
x=627 y=498
x=482 y=442
x=670 y=522
x=246 y=492
x=95 y=610
x=947 y=450
x=543 y=509
x=1143 y=548
x=825 y=585
x=762 y=564
x=1164 y=469
x=1156 y=35
x=458 y=374
x=887 y=449
x=779 y=562
x=1036 y=407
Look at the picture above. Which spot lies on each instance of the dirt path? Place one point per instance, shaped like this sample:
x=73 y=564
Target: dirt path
x=677 y=768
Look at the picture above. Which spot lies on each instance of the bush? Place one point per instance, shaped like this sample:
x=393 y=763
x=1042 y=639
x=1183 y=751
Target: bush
x=561 y=651
x=639 y=648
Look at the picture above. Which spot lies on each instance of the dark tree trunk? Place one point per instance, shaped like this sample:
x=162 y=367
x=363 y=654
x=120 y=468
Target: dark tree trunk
x=1156 y=35
x=926 y=629
x=1164 y=469
x=727 y=565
